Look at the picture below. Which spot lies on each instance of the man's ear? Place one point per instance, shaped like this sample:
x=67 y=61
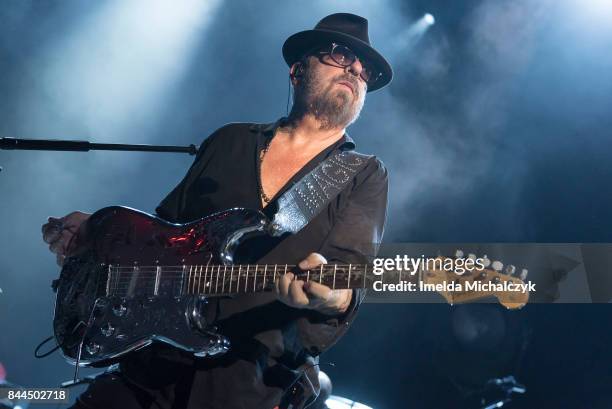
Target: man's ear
x=296 y=71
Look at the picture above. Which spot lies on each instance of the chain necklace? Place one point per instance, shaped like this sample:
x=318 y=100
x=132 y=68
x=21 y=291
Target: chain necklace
x=262 y=154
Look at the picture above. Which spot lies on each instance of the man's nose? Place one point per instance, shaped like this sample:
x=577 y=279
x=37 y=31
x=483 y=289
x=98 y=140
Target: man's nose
x=355 y=68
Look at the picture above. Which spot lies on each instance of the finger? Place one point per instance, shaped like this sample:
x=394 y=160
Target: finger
x=73 y=219
x=319 y=291
x=55 y=220
x=297 y=295
x=60 y=259
x=50 y=233
x=313 y=260
x=52 y=228
x=57 y=247
x=283 y=284
x=60 y=245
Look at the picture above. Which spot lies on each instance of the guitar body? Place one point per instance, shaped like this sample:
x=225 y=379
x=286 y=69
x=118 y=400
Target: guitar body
x=112 y=299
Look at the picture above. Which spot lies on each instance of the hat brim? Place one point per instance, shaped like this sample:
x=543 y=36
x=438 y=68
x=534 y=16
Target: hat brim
x=299 y=43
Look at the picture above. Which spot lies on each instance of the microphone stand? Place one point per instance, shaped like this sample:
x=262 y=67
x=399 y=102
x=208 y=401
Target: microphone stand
x=84 y=146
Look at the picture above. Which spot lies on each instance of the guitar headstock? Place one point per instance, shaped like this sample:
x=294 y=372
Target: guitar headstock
x=473 y=284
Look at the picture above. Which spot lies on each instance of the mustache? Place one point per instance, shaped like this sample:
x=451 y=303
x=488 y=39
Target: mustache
x=351 y=80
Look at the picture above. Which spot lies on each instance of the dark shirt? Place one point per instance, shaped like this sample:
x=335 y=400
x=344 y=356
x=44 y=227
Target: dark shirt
x=271 y=342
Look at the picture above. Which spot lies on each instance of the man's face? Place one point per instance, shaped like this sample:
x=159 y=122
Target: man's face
x=333 y=94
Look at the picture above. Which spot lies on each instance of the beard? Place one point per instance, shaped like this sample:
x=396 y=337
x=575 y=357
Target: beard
x=333 y=107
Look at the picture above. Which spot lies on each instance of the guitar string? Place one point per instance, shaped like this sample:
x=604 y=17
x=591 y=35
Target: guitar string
x=205 y=286
x=123 y=279
x=354 y=276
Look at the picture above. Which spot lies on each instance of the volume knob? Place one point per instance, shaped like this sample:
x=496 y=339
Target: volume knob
x=120 y=310
x=486 y=261
x=107 y=330
x=92 y=348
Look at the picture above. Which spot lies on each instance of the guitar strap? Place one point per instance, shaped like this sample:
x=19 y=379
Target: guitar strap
x=311 y=194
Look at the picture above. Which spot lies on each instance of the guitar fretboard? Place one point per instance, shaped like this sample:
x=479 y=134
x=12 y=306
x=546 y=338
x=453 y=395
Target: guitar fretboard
x=222 y=280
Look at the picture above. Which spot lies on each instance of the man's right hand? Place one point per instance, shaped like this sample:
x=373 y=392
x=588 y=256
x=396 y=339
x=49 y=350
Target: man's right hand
x=61 y=233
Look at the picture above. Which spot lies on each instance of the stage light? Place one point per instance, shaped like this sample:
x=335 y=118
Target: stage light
x=121 y=62
x=338 y=402
x=412 y=34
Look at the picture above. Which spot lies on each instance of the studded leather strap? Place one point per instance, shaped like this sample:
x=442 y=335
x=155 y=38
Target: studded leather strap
x=308 y=197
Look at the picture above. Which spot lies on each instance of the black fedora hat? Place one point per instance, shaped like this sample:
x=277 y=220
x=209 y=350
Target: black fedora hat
x=348 y=29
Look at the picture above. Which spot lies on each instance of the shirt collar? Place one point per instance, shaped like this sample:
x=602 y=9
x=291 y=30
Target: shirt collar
x=346 y=143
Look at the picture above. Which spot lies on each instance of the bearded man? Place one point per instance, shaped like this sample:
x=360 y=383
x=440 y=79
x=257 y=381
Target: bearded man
x=276 y=338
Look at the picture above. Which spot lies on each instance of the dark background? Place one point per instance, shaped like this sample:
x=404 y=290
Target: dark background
x=495 y=129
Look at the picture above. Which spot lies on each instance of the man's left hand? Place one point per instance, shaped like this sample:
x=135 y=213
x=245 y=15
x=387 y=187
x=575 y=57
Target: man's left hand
x=309 y=294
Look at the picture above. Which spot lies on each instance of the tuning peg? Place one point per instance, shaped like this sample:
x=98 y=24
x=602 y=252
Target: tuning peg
x=459 y=253
x=472 y=256
x=510 y=269
x=486 y=261
x=497 y=265
x=523 y=274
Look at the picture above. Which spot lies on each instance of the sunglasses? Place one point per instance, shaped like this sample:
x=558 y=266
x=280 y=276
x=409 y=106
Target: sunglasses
x=344 y=57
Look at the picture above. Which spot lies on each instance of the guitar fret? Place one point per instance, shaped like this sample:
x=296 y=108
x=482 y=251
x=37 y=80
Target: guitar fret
x=191 y=280
x=223 y=285
x=321 y=275
x=334 y=283
x=217 y=280
x=196 y=280
x=182 y=281
x=231 y=279
x=157 y=280
x=203 y=283
x=199 y=269
x=208 y=275
x=188 y=280
x=108 y=280
x=348 y=283
x=264 y=278
x=246 y=279
x=255 y=280
x=116 y=290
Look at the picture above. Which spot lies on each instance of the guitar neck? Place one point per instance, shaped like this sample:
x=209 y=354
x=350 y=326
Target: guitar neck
x=237 y=279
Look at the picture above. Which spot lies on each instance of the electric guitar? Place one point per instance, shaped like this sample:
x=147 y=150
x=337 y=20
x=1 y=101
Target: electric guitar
x=141 y=279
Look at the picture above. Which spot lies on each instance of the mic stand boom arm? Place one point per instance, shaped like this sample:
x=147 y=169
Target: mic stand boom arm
x=84 y=146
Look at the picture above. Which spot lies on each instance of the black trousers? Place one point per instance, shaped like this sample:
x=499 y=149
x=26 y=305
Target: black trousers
x=114 y=391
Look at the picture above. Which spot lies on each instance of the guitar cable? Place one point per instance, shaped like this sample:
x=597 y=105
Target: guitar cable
x=49 y=352
x=288 y=94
